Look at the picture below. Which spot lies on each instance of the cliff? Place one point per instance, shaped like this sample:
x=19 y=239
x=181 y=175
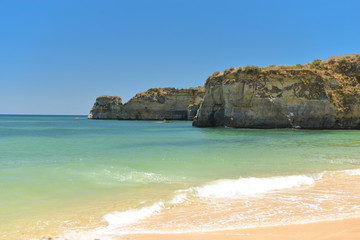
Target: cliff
x=153 y=104
x=106 y=107
x=319 y=95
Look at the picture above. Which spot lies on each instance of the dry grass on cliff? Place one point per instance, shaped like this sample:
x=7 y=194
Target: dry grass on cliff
x=170 y=91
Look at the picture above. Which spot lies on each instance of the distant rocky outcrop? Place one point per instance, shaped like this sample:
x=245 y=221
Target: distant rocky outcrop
x=153 y=104
x=319 y=95
x=106 y=107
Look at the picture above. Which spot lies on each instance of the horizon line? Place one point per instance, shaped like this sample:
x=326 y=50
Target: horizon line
x=39 y=114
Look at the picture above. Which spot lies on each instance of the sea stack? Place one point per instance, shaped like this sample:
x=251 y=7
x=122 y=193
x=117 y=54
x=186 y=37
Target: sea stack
x=153 y=104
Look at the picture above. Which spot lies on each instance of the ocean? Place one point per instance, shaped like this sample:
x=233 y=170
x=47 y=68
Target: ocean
x=76 y=178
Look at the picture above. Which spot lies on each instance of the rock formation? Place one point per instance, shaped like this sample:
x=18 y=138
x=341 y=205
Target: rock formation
x=153 y=104
x=319 y=95
x=106 y=107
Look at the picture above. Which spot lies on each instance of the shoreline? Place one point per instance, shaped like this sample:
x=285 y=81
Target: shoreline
x=348 y=229
x=180 y=222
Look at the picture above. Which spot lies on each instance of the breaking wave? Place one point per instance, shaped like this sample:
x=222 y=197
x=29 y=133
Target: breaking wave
x=233 y=190
x=249 y=186
x=353 y=172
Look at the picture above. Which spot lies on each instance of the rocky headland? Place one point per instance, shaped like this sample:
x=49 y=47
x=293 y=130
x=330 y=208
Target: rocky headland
x=319 y=95
x=153 y=104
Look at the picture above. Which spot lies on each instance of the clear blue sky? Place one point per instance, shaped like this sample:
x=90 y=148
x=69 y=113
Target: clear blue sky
x=57 y=56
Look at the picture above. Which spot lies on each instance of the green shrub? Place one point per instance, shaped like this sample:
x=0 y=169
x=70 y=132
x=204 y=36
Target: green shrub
x=271 y=66
x=316 y=64
x=229 y=70
x=252 y=70
x=215 y=74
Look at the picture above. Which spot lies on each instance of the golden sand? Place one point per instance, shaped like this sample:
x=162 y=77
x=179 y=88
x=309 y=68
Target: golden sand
x=332 y=197
x=333 y=230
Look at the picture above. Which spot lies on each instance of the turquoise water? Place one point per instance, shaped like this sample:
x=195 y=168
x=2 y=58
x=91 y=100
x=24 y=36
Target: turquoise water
x=52 y=164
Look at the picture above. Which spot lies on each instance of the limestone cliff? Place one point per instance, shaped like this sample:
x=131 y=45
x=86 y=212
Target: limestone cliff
x=320 y=95
x=153 y=104
x=106 y=107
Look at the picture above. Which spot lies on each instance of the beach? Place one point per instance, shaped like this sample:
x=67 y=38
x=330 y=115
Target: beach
x=80 y=179
x=333 y=230
x=179 y=120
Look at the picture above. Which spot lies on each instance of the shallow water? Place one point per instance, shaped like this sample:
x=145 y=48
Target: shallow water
x=58 y=173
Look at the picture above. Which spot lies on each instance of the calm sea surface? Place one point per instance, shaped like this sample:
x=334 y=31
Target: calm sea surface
x=58 y=173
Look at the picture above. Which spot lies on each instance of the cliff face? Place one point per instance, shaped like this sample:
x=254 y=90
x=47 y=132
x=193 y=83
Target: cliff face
x=164 y=103
x=153 y=104
x=323 y=94
x=106 y=107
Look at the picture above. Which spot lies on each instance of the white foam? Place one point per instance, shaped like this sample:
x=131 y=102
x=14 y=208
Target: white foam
x=120 y=219
x=178 y=199
x=135 y=176
x=353 y=172
x=116 y=222
x=120 y=223
x=249 y=186
x=114 y=176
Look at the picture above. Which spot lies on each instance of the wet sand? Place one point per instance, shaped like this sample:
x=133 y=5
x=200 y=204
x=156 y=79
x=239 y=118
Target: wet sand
x=332 y=230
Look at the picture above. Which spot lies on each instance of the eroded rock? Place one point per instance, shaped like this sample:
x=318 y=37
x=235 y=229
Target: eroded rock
x=153 y=104
x=323 y=94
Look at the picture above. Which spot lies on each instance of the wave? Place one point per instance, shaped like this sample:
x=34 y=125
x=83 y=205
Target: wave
x=135 y=176
x=126 y=175
x=130 y=221
x=228 y=188
x=219 y=189
x=120 y=219
x=353 y=172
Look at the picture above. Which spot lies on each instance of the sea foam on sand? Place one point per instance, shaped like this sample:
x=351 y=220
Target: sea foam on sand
x=229 y=192
x=250 y=186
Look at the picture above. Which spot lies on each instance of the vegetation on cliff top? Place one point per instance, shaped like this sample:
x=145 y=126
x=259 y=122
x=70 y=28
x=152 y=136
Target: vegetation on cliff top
x=160 y=94
x=170 y=91
x=109 y=97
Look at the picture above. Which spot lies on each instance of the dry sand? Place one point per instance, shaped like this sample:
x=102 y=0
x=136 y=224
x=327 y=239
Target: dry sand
x=333 y=230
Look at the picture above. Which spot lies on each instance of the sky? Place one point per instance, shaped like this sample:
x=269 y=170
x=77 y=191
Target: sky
x=57 y=56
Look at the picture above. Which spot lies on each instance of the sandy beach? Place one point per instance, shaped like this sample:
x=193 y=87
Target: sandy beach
x=135 y=187
x=348 y=229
